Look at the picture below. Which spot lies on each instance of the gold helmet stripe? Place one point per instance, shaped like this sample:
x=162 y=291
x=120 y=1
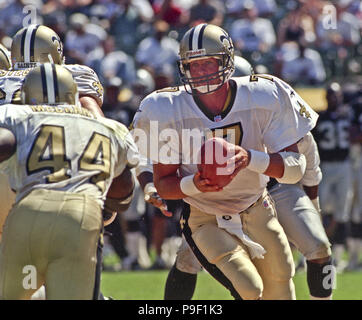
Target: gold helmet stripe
x=28 y=43
x=49 y=78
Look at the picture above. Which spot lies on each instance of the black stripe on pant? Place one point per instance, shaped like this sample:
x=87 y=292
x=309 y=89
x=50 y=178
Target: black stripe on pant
x=211 y=268
x=97 y=280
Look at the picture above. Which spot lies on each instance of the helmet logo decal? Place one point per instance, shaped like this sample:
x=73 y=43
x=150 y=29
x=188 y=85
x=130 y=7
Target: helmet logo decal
x=59 y=44
x=227 y=42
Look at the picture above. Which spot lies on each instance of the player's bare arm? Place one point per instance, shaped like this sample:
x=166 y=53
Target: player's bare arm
x=274 y=169
x=7 y=144
x=276 y=164
x=121 y=190
x=91 y=104
x=168 y=183
x=311 y=191
x=287 y=166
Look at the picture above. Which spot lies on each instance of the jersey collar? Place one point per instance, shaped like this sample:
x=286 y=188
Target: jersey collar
x=226 y=109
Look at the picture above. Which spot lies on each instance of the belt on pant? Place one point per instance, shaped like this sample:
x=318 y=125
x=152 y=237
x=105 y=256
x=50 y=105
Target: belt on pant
x=272 y=182
x=254 y=204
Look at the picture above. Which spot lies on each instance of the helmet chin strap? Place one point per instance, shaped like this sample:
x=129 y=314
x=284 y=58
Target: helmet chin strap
x=77 y=101
x=50 y=58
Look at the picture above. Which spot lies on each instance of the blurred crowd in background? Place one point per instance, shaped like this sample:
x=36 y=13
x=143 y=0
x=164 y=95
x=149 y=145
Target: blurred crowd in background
x=132 y=45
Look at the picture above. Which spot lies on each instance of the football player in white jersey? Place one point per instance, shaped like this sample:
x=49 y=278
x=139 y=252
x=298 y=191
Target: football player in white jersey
x=233 y=231
x=300 y=218
x=61 y=160
x=37 y=44
x=32 y=46
x=298 y=214
x=144 y=170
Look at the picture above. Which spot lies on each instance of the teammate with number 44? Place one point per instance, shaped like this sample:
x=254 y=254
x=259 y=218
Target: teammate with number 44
x=233 y=230
x=32 y=46
x=61 y=160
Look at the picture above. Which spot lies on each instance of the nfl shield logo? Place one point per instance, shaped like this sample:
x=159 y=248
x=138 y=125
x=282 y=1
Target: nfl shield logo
x=265 y=203
x=217 y=118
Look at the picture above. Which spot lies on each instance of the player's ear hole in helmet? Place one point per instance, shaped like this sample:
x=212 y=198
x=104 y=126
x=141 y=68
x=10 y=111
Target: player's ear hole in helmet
x=34 y=45
x=205 y=41
x=49 y=84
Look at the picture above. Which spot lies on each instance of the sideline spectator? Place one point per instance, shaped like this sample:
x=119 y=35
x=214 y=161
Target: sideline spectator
x=306 y=67
x=79 y=42
x=163 y=46
x=252 y=33
x=210 y=11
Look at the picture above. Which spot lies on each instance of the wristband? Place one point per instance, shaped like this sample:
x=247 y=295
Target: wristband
x=188 y=187
x=259 y=161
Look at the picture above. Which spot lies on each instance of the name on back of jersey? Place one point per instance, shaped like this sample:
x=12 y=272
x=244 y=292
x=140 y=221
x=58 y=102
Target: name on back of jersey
x=63 y=109
x=14 y=73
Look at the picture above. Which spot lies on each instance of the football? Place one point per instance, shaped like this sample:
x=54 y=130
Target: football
x=212 y=157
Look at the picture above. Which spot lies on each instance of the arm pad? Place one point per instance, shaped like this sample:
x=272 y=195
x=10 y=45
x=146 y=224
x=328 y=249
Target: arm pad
x=313 y=173
x=294 y=167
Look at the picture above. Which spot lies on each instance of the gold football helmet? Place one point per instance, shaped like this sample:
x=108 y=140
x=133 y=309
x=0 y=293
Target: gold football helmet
x=49 y=84
x=4 y=58
x=34 y=45
x=204 y=41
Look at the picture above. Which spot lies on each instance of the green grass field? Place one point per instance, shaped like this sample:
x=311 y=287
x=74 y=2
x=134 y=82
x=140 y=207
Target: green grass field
x=149 y=285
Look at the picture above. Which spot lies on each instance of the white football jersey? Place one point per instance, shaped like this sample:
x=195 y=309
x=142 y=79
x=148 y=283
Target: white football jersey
x=313 y=173
x=65 y=148
x=264 y=114
x=86 y=79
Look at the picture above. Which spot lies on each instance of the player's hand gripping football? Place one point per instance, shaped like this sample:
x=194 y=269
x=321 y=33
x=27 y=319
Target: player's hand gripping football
x=220 y=163
x=238 y=161
x=204 y=184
